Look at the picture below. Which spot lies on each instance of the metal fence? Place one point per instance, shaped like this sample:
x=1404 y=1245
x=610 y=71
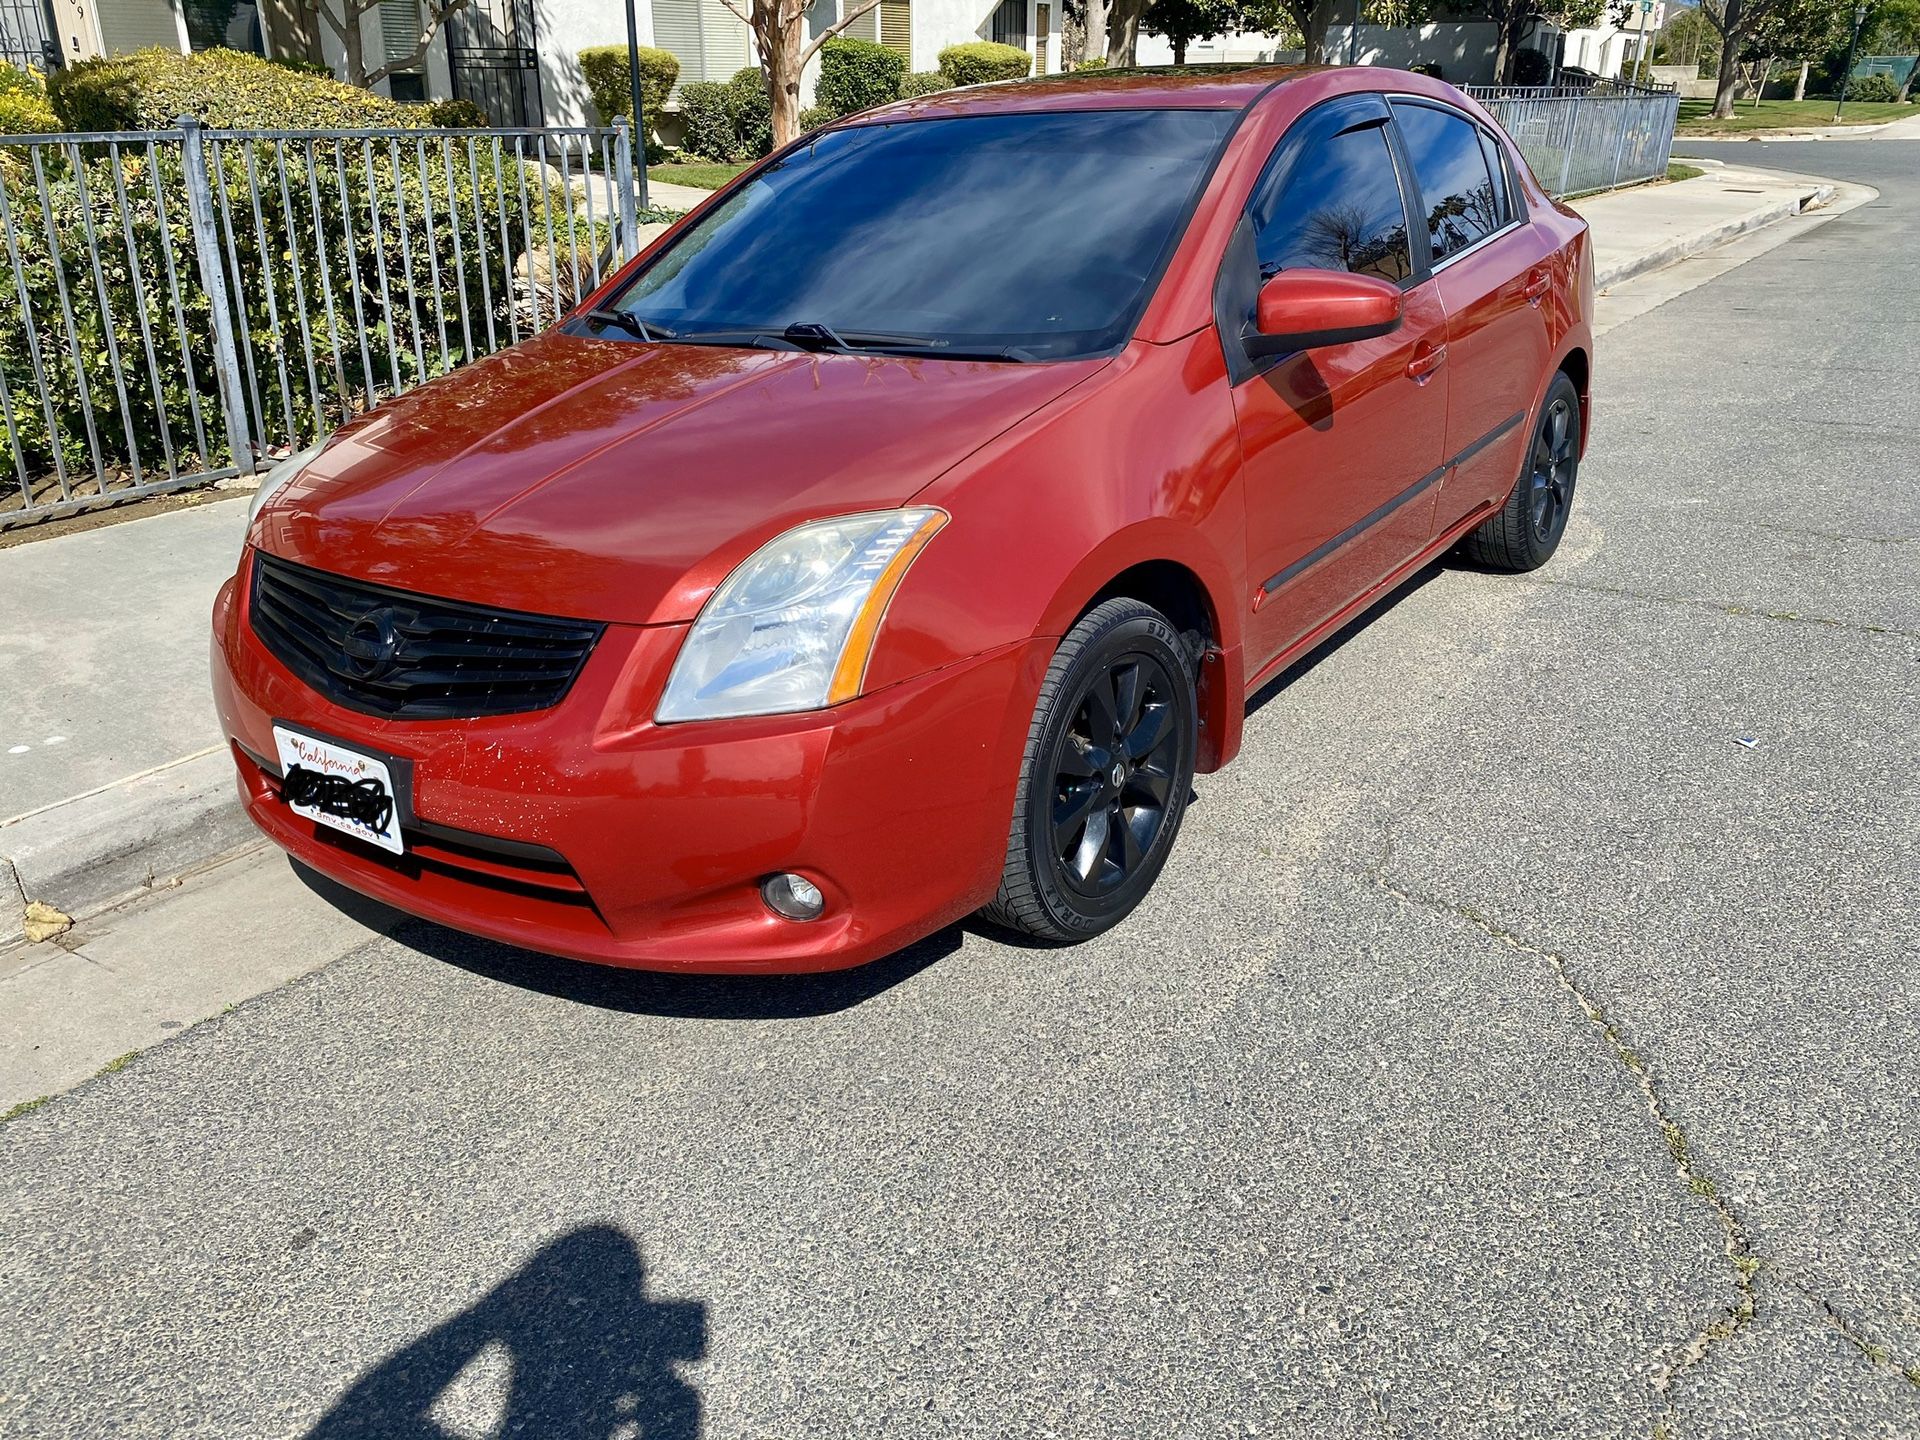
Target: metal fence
x=188 y=304
x=1582 y=140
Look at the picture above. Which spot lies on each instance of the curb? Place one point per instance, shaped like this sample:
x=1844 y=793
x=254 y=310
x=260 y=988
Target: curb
x=1688 y=245
x=95 y=850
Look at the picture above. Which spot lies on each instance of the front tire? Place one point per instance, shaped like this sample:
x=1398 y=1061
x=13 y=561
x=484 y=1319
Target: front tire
x=1106 y=776
x=1526 y=531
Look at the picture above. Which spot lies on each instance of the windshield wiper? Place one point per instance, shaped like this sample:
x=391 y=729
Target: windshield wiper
x=632 y=324
x=812 y=336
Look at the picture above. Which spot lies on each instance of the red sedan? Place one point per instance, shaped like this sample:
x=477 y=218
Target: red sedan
x=898 y=535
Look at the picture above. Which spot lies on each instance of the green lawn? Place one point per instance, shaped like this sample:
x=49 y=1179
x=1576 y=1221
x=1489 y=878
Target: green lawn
x=1784 y=114
x=1677 y=171
x=702 y=174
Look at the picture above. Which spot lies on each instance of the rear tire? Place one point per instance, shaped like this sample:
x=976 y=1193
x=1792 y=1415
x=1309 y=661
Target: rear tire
x=1526 y=531
x=1105 y=779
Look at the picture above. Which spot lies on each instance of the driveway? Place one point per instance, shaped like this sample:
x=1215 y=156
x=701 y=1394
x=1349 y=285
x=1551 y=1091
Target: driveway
x=1522 y=1041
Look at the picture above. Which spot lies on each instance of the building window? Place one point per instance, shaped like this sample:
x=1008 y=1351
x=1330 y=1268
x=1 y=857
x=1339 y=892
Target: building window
x=705 y=37
x=399 y=29
x=1010 y=23
x=896 y=27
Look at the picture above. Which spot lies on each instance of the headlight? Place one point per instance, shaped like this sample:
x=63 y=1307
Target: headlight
x=276 y=479
x=792 y=628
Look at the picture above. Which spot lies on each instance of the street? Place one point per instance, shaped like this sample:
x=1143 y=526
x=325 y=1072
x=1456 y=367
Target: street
x=1522 y=1041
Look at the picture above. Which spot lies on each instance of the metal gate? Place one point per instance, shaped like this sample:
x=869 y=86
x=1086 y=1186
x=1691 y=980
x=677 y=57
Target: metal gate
x=494 y=59
x=26 y=31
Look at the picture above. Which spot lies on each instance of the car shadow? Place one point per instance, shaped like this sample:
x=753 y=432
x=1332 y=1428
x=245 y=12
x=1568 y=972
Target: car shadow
x=587 y=1355
x=1331 y=646
x=640 y=992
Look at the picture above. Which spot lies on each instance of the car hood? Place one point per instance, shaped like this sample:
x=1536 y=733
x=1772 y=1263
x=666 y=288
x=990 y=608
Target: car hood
x=607 y=480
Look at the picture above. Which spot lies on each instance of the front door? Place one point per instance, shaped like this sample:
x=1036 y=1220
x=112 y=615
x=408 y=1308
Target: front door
x=1342 y=445
x=494 y=60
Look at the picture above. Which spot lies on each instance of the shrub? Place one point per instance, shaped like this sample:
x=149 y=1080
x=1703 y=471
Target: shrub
x=857 y=75
x=148 y=89
x=301 y=66
x=751 y=113
x=1530 y=67
x=605 y=69
x=980 y=61
x=23 y=103
x=1092 y=62
x=1877 y=88
x=923 y=82
x=456 y=115
x=709 y=123
x=814 y=116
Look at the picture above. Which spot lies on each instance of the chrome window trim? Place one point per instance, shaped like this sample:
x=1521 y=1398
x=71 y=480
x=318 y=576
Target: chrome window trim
x=1480 y=244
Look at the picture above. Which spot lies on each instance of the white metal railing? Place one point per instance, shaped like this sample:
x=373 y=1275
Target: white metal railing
x=187 y=303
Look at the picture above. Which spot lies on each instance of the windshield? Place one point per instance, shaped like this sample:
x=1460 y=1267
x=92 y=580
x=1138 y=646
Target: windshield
x=1039 y=235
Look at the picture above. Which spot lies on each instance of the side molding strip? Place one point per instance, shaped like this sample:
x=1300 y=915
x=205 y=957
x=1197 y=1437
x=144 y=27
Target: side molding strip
x=1368 y=521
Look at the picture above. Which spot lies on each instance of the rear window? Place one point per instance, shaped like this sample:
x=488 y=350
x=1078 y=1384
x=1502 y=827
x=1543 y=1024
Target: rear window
x=1040 y=232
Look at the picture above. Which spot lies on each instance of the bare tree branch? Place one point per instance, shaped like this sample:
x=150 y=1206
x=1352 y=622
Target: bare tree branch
x=437 y=15
x=833 y=30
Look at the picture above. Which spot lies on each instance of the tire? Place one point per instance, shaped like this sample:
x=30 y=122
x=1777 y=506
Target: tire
x=1086 y=846
x=1526 y=531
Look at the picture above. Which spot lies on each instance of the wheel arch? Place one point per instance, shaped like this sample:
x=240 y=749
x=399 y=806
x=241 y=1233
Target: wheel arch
x=1165 y=565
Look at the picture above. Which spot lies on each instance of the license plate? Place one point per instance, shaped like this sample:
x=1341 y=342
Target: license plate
x=331 y=784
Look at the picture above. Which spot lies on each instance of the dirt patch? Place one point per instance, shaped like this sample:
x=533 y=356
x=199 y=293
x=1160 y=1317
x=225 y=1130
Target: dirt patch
x=116 y=514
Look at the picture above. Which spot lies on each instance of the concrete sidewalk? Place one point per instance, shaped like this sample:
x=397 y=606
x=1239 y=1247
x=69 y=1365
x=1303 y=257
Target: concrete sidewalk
x=1638 y=230
x=113 y=778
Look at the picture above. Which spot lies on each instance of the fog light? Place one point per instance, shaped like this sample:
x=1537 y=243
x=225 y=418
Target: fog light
x=793 y=896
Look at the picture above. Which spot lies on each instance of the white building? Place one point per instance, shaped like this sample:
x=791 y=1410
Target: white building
x=517 y=60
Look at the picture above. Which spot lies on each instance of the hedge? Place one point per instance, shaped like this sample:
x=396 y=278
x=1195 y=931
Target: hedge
x=923 y=82
x=728 y=122
x=814 y=116
x=980 y=61
x=225 y=89
x=1876 y=88
x=857 y=75
x=23 y=103
x=608 y=81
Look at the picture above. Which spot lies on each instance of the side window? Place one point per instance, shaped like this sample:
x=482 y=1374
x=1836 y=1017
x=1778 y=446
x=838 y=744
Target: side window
x=1503 y=196
x=1337 y=207
x=1463 y=203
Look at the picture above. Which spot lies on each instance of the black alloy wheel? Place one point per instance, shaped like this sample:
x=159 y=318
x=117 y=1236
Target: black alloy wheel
x=1550 y=480
x=1113 y=770
x=1106 y=776
x=1524 y=533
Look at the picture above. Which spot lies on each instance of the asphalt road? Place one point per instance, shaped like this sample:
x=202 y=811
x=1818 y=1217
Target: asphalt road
x=1509 y=1049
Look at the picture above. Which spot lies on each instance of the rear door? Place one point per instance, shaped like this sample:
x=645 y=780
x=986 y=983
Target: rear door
x=1490 y=268
x=1341 y=445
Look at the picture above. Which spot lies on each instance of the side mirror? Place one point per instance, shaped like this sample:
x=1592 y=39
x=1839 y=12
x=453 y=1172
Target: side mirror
x=1303 y=309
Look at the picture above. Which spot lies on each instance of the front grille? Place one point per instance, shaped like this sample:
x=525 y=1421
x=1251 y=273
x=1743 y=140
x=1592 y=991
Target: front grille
x=387 y=652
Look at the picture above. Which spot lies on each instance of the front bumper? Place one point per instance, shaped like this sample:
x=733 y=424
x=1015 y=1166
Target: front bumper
x=586 y=830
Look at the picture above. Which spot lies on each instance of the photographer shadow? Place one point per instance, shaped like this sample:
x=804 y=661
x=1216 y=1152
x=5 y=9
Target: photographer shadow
x=590 y=1356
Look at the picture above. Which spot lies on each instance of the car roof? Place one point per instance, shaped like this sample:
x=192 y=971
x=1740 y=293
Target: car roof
x=1191 y=87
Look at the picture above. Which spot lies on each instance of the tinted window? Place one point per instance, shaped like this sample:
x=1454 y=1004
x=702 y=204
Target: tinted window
x=1336 y=208
x=1462 y=204
x=1044 y=232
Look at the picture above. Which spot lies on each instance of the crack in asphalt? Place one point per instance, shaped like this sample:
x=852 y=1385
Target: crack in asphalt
x=1819 y=534
x=1722 y=607
x=1744 y=1263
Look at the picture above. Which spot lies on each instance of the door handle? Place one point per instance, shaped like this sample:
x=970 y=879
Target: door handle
x=1426 y=359
x=1538 y=283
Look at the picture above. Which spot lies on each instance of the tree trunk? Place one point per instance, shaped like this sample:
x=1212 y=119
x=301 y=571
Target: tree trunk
x=1313 y=36
x=1123 y=31
x=780 y=51
x=1179 y=49
x=1906 y=85
x=1800 y=85
x=1096 y=48
x=1729 y=78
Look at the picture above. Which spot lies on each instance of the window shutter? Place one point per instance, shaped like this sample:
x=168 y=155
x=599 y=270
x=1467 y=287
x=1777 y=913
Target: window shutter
x=399 y=28
x=896 y=26
x=705 y=37
x=867 y=27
